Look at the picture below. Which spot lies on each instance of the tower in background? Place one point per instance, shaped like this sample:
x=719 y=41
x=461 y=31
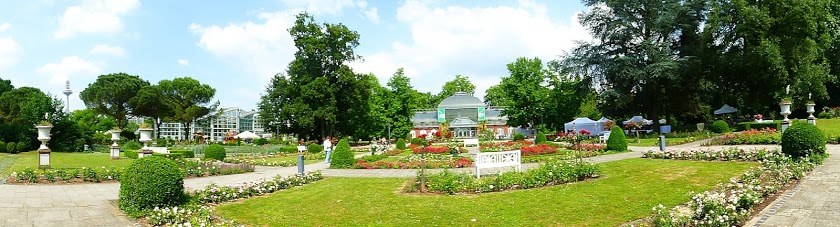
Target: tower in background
x=67 y=93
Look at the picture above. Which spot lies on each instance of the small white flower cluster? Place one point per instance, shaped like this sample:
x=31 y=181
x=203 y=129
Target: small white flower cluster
x=216 y=194
x=730 y=154
x=190 y=215
x=732 y=203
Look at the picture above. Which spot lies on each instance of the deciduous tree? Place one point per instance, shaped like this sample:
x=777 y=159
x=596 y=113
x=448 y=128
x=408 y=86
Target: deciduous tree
x=188 y=98
x=110 y=94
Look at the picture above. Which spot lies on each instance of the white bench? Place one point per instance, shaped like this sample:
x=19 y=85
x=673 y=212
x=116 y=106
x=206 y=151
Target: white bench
x=468 y=142
x=301 y=148
x=161 y=150
x=498 y=159
x=605 y=137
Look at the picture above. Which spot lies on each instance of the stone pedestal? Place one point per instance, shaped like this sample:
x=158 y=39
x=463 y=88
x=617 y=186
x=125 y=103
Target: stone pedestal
x=44 y=158
x=115 y=152
x=144 y=153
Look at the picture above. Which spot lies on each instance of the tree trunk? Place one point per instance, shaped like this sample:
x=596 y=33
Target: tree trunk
x=158 y=122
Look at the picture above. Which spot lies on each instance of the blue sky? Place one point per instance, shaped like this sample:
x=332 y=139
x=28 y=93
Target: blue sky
x=237 y=46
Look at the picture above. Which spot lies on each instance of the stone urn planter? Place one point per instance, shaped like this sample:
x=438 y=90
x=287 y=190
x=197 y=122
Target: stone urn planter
x=115 y=148
x=810 y=109
x=700 y=126
x=145 y=138
x=785 y=107
x=43 y=150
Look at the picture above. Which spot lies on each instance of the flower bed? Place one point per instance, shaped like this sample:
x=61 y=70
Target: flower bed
x=550 y=173
x=198 y=213
x=732 y=203
x=262 y=160
x=433 y=150
x=458 y=163
x=539 y=149
x=86 y=174
x=752 y=136
x=504 y=146
x=589 y=147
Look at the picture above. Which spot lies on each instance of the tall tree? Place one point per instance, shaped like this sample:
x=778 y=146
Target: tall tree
x=188 y=98
x=402 y=104
x=311 y=99
x=110 y=94
x=495 y=96
x=459 y=84
x=148 y=103
x=632 y=59
x=768 y=45
x=5 y=85
x=526 y=92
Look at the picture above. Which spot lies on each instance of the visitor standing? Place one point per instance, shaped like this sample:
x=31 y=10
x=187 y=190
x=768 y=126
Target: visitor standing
x=328 y=149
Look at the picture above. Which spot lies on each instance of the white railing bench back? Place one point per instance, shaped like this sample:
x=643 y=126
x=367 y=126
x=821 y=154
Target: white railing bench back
x=498 y=159
x=468 y=142
x=301 y=148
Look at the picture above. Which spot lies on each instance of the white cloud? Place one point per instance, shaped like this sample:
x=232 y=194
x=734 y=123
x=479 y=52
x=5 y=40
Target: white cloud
x=5 y=26
x=372 y=14
x=10 y=52
x=184 y=62
x=94 y=16
x=106 y=49
x=477 y=42
x=332 y=7
x=70 y=66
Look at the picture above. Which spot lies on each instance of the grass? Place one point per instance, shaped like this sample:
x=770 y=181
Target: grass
x=627 y=191
x=831 y=127
x=59 y=160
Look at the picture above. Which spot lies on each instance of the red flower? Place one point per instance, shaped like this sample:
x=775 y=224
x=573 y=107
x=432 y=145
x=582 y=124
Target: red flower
x=437 y=134
x=583 y=131
x=422 y=136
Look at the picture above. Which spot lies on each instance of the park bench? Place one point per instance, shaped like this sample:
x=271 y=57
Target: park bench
x=468 y=142
x=485 y=160
x=301 y=148
x=161 y=150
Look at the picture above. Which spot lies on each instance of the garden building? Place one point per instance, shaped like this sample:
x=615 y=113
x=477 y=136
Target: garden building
x=463 y=114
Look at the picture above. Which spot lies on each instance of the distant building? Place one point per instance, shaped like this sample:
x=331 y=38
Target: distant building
x=215 y=126
x=464 y=112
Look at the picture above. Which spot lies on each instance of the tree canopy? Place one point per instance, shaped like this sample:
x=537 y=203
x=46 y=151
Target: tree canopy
x=187 y=98
x=110 y=95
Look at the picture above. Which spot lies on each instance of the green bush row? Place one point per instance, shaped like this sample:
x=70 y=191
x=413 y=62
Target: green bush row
x=743 y=126
x=13 y=147
x=314 y=148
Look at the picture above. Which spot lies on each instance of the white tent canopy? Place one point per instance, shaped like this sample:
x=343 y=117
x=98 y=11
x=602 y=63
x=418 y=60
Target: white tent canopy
x=247 y=135
x=638 y=119
x=584 y=123
x=603 y=119
x=725 y=109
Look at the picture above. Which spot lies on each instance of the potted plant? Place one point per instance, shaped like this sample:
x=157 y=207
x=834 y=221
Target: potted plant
x=145 y=137
x=115 y=134
x=785 y=107
x=44 y=128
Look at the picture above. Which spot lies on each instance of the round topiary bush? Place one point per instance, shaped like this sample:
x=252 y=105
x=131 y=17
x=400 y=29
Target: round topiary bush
x=518 y=136
x=150 y=182
x=803 y=139
x=540 y=139
x=21 y=147
x=216 y=152
x=617 y=140
x=10 y=147
x=719 y=126
x=342 y=156
x=401 y=144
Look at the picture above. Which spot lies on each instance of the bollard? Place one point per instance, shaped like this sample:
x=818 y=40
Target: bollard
x=300 y=164
x=662 y=142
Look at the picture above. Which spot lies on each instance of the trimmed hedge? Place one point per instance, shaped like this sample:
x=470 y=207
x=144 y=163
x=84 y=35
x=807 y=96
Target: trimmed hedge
x=216 y=152
x=803 y=139
x=617 y=140
x=184 y=153
x=518 y=136
x=21 y=147
x=132 y=145
x=342 y=156
x=719 y=126
x=315 y=148
x=132 y=154
x=171 y=155
x=150 y=182
x=401 y=144
x=415 y=140
x=540 y=139
x=287 y=149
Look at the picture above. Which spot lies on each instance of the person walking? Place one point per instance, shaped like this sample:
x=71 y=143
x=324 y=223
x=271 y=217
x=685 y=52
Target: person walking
x=328 y=149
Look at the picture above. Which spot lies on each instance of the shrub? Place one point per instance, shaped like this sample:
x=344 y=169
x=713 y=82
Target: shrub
x=161 y=143
x=518 y=136
x=2 y=147
x=21 y=147
x=150 y=182
x=261 y=141
x=719 y=126
x=415 y=140
x=287 y=149
x=216 y=152
x=132 y=154
x=803 y=139
x=315 y=148
x=617 y=140
x=342 y=156
x=10 y=147
x=133 y=145
x=540 y=139
x=401 y=144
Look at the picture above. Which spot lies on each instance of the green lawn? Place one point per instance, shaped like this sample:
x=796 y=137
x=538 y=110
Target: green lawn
x=830 y=126
x=627 y=191
x=59 y=160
